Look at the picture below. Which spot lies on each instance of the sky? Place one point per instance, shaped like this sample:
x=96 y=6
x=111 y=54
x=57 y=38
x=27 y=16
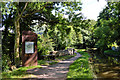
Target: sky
x=92 y=8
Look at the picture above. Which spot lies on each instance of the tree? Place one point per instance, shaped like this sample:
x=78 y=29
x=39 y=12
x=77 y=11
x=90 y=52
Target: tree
x=20 y=11
x=108 y=26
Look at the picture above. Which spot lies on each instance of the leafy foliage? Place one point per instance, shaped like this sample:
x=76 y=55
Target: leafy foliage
x=107 y=27
x=60 y=32
x=21 y=13
x=5 y=62
x=112 y=53
x=45 y=44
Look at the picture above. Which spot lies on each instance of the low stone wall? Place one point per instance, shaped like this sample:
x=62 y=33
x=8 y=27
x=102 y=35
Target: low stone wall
x=54 y=54
x=69 y=51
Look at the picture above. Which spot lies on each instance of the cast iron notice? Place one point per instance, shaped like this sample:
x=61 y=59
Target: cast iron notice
x=29 y=47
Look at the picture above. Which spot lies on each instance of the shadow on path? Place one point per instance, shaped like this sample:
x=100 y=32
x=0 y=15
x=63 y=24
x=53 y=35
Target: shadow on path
x=57 y=71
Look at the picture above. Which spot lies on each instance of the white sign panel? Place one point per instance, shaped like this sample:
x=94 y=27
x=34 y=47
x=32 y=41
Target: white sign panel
x=29 y=47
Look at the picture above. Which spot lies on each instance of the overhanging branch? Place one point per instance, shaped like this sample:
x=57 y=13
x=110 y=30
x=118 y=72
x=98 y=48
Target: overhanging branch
x=24 y=8
x=34 y=11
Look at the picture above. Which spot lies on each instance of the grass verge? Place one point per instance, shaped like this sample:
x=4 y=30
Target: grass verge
x=18 y=73
x=80 y=68
x=65 y=57
x=42 y=62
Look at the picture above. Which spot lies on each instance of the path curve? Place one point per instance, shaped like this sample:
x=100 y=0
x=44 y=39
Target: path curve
x=57 y=71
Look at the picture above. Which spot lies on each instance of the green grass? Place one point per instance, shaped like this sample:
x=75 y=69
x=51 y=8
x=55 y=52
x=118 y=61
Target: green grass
x=18 y=73
x=66 y=57
x=42 y=62
x=111 y=52
x=80 y=49
x=80 y=68
x=21 y=72
x=53 y=62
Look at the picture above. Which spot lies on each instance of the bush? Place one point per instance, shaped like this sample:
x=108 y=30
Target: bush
x=80 y=51
x=112 y=53
x=5 y=62
x=45 y=44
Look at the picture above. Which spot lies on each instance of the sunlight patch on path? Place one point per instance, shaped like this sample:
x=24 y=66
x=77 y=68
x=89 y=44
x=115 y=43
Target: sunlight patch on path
x=58 y=70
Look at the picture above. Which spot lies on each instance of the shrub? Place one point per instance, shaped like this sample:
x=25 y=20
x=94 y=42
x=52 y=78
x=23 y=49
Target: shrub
x=112 y=53
x=80 y=51
x=5 y=62
x=45 y=44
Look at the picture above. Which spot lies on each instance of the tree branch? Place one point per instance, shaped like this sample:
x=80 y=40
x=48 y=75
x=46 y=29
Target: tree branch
x=24 y=8
x=34 y=11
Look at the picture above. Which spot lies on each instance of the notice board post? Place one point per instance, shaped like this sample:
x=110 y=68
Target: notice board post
x=29 y=48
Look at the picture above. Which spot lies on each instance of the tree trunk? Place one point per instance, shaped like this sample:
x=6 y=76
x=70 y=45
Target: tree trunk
x=17 y=39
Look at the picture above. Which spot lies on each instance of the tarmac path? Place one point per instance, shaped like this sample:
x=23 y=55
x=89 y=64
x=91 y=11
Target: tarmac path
x=54 y=72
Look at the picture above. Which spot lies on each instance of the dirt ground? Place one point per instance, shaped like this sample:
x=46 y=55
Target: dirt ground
x=53 y=72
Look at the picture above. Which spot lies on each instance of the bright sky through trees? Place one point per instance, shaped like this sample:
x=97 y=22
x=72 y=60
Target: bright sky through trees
x=92 y=8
